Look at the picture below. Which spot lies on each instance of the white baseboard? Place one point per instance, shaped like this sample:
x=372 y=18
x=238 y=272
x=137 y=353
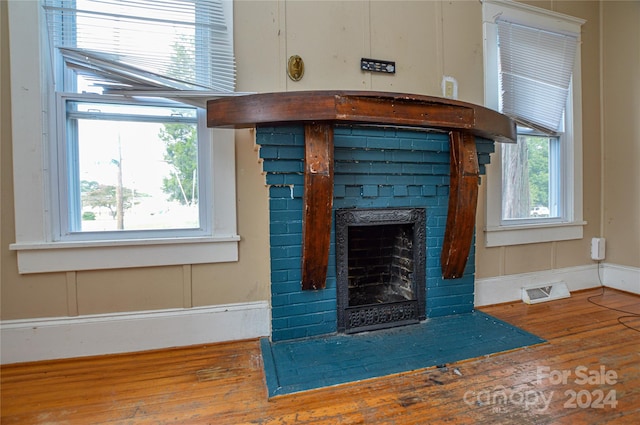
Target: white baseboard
x=620 y=277
x=56 y=338
x=502 y=289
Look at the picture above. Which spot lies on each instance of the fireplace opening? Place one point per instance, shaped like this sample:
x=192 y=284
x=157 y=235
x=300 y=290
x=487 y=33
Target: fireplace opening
x=380 y=261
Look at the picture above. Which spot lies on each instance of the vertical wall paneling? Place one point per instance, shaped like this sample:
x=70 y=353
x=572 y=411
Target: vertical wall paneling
x=72 y=294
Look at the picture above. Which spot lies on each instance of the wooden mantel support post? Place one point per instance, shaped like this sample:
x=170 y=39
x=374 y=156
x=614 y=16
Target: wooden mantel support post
x=319 y=111
x=464 y=177
x=317 y=204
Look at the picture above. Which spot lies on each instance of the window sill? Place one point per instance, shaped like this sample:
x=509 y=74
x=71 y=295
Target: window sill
x=533 y=233
x=74 y=256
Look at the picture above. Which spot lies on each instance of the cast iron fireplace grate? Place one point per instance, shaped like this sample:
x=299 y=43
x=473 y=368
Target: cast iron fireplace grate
x=380 y=261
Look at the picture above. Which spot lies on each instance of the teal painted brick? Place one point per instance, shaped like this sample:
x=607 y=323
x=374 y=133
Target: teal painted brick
x=403 y=180
x=279 y=252
x=417 y=202
x=352 y=167
x=312 y=296
x=279 y=276
x=284 y=263
x=286 y=216
x=288 y=311
x=448 y=310
x=285 y=240
x=455 y=300
x=400 y=190
x=286 y=139
x=288 y=334
x=415 y=190
x=441 y=169
x=342 y=129
x=434 y=241
x=483 y=159
x=283 y=166
x=348 y=155
x=436 y=157
x=418 y=168
x=429 y=191
x=404 y=156
x=294 y=227
x=279 y=322
x=291 y=152
x=279 y=299
x=372 y=132
x=323 y=328
x=321 y=306
x=485 y=146
x=294 y=251
x=275 y=179
x=369 y=191
x=268 y=152
x=365 y=163
x=386 y=191
x=382 y=143
x=295 y=204
x=340 y=141
x=280 y=192
x=277 y=204
x=353 y=191
x=294 y=275
x=371 y=179
x=298 y=191
x=294 y=179
x=440 y=291
x=278 y=228
x=344 y=179
x=409 y=134
x=430 y=181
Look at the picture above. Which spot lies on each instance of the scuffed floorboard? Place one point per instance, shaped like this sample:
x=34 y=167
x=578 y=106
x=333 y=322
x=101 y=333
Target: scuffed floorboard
x=225 y=384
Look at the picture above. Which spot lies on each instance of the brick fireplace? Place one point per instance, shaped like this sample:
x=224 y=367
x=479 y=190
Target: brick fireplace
x=393 y=175
x=376 y=168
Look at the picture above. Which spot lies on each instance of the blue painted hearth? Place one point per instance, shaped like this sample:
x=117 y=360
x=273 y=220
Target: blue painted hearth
x=375 y=167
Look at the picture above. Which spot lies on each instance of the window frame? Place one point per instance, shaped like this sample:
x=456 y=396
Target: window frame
x=35 y=181
x=64 y=168
x=499 y=232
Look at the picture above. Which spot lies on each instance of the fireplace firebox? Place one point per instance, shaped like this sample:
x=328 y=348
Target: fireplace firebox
x=380 y=268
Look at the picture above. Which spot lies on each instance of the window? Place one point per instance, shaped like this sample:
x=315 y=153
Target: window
x=125 y=172
x=532 y=73
x=130 y=167
x=530 y=178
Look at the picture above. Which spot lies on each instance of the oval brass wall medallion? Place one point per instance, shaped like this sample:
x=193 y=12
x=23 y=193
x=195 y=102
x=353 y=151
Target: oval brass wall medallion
x=295 y=68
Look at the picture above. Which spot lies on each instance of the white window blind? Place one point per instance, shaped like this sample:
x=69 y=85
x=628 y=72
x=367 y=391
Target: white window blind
x=144 y=44
x=535 y=74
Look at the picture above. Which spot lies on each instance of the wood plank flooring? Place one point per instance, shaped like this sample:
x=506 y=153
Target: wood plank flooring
x=224 y=383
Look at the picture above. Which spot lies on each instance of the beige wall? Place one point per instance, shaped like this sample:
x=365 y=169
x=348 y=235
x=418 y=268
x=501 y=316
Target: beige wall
x=427 y=39
x=621 y=135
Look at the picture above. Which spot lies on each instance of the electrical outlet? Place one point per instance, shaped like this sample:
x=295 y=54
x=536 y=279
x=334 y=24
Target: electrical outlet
x=449 y=87
x=597 y=249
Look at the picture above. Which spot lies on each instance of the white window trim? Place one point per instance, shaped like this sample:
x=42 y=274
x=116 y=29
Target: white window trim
x=36 y=250
x=497 y=233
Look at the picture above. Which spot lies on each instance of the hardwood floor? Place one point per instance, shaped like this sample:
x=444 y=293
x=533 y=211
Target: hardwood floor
x=598 y=357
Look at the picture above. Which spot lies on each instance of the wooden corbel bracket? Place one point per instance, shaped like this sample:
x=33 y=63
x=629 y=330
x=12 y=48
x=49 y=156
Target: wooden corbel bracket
x=318 y=111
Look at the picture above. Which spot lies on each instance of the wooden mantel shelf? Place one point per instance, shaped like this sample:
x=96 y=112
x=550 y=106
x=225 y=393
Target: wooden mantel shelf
x=318 y=111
